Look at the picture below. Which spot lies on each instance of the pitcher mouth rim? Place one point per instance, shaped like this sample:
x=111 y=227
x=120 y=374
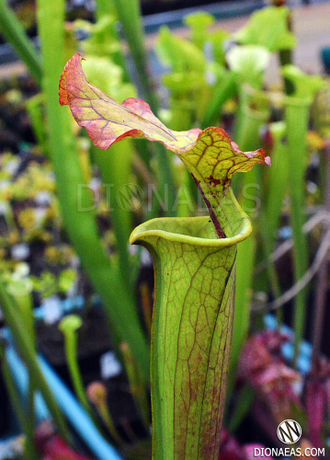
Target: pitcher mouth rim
x=142 y=233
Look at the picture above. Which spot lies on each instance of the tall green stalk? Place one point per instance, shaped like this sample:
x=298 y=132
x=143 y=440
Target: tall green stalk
x=277 y=181
x=21 y=290
x=69 y=326
x=225 y=91
x=276 y=187
x=297 y=116
x=24 y=419
x=248 y=138
x=81 y=224
x=115 y=168
x=297 y=108
x=128 y=12
x=28 y=353
x=104 y=8
x=14 y=33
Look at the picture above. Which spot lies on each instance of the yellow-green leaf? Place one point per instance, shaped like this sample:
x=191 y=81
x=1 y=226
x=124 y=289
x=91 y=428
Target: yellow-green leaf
x=209 y=155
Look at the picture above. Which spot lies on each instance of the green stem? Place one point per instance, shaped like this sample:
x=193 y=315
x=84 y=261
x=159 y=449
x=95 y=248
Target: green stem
x=104 y=8
x=297 y=115
x=137 y=386
x=35 y=110
x=97 y=393
x=244 y=402
x=322 y=277
x=285 y=57
x=22 y=295
x=27 y=351
x=14 y=33
x=70 y=339
x=115 y=168
x=248 y=138
x=250 y=120
x=129 y=14
x=277 y=183
x=277 y=187
x=30 y=410
x=244 y=275
x=226 y=90
x=268 y=247
x=166 y=187
x=74 y=195
x=16 y=401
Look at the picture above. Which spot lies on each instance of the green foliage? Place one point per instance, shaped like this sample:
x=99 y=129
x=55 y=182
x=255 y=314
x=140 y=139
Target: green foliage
x=199 y=23
x=69 y=326
x=268 y=27
x=188 y=57
x=208 y=86
x=297 y=109
x=14 y=32
x=109 y=77
x=305 y=86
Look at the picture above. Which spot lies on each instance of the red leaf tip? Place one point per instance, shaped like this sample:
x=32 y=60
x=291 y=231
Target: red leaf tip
x=72 y=66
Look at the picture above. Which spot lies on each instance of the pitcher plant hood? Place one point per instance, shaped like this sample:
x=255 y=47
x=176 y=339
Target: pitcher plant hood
x=210 y=155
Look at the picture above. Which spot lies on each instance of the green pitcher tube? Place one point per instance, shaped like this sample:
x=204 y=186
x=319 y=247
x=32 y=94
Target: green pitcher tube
x=192 y=331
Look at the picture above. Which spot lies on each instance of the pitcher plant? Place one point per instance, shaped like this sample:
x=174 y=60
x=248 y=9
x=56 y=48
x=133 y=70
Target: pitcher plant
x=194 y=260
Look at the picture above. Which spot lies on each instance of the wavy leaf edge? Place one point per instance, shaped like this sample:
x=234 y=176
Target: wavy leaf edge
x=210 y=155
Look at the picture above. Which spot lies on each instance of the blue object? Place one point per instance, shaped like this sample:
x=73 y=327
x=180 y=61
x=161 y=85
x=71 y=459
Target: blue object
x=76 y=415
x=20 y=375
x=325 y=55
x=67 y=305
x=304 y=359
x=285 y=232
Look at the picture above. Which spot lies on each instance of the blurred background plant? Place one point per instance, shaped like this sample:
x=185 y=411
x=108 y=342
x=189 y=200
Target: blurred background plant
x=67 y=208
